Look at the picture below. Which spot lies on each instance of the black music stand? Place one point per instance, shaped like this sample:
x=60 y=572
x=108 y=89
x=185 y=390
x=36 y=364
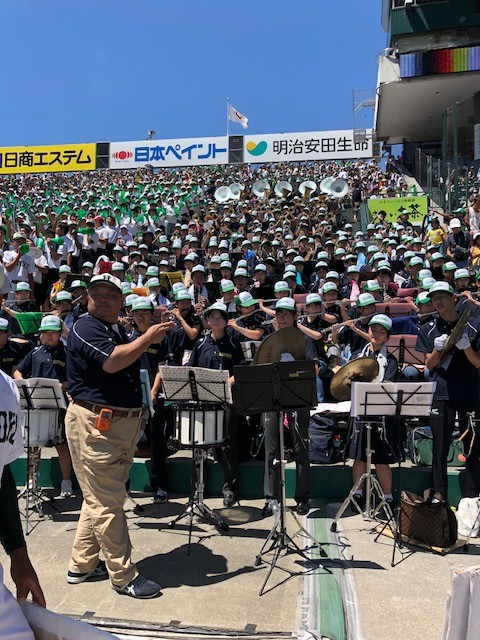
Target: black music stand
x=192 y=389
x=278 y=387
x=37 y=394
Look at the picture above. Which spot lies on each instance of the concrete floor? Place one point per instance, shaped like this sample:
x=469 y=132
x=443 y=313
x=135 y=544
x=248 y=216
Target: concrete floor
x=404 y=602
x=216 y=587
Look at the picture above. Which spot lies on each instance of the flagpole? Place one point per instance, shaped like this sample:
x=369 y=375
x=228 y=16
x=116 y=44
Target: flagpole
x=228 y=119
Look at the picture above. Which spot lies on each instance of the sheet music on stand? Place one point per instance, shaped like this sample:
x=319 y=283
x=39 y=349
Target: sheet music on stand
x=381 y=398
x=213 y=385
x=41 y=393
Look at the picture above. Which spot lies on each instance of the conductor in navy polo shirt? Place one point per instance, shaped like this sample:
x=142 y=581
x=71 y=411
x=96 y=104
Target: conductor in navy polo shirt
x=102 y=424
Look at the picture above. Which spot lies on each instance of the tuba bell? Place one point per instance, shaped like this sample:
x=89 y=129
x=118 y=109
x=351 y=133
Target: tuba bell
x=339 y=188
x=236 y=190
x=283 y=189
x=325 y=185
x=222 y=194
x=261 y=188
x=307 y=188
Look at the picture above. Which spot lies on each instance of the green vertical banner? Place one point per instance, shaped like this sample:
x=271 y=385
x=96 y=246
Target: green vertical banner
x=415 y=206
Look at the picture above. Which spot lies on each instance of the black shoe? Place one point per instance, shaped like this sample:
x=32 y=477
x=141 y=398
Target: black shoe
x=302 y=507
x=160 y=496
x=98 y=573
x=140 y=588
x=267 y=509
x=229 y=498
x=359 y=500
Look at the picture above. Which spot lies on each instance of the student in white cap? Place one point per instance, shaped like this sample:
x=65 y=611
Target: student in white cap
x=49 y=361
x=385 y=442
x=457 y=390
x=458 y=243
x=156 y=355
x=201 y=296
x=219 y=349
x=182 y=337
x=63 y=272
x=286 y=316
x=227 y=289
x=248 y=323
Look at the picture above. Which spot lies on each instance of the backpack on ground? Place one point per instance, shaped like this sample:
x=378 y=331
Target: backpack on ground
x=324 y=440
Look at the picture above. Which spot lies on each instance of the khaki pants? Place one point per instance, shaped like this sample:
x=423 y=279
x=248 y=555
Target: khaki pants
x=102 y=460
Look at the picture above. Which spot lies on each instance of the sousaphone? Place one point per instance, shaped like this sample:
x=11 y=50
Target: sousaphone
x=236 y=190
x=283 y=189
x=338 y=188
x=307 y=188
x=325 y=185
x=261 y=188
x=222 y=194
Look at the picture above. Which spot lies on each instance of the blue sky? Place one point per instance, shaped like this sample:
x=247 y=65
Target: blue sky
x=106 y=70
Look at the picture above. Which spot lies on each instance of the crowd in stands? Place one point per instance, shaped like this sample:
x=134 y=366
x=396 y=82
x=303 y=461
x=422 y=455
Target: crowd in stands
x=177 y=250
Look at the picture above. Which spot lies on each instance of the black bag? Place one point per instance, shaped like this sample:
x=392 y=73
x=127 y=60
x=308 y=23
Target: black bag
x=432 y=524
x=323 y=440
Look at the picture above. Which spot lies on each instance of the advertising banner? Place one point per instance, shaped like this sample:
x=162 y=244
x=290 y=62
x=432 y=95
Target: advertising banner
x=180 y=152
x=48 y=159
x=311 y=145
x=417 y=207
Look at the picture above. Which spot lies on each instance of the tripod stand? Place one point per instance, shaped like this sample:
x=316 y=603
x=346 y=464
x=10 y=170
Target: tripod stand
x=201 y=397
x=372 y=485
x=278 y=387
x=41 y=400
x=398 y=399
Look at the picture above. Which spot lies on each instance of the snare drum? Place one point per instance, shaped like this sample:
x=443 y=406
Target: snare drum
x=201 y=427
x=43 y=427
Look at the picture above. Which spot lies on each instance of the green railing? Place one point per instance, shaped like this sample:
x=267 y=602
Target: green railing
x=364 y=216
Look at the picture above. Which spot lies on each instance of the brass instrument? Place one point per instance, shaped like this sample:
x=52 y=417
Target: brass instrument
x=454 y=337
x=359 y=370
x=290 y=340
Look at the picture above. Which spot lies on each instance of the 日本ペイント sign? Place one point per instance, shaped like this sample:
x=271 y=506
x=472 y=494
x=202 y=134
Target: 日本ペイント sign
x=181 y=152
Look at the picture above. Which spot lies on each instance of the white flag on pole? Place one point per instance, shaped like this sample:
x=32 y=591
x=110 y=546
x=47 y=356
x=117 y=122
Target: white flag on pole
x=236 y=116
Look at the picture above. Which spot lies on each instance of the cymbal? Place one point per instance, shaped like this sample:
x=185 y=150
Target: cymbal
x=359 y=370
x=289 y=340
x=454 y=337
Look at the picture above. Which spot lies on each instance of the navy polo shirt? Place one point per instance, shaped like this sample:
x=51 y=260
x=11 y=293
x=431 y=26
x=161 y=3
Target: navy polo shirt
x=90 y=343
x=11 y=354
x=153 y=356
x=45 y=362
x=459 y=382
x=252 y=322
x=346 y=335
x=222 y=354
x=178 y=341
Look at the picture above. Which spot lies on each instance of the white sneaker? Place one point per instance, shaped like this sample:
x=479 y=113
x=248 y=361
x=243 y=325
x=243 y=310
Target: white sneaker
x=66 y=490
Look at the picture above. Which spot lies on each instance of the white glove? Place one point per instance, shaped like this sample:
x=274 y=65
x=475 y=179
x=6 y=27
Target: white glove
x=463 y=343
x=439 y=342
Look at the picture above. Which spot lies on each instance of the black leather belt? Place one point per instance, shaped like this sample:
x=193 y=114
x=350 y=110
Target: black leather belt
x=117 y=413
